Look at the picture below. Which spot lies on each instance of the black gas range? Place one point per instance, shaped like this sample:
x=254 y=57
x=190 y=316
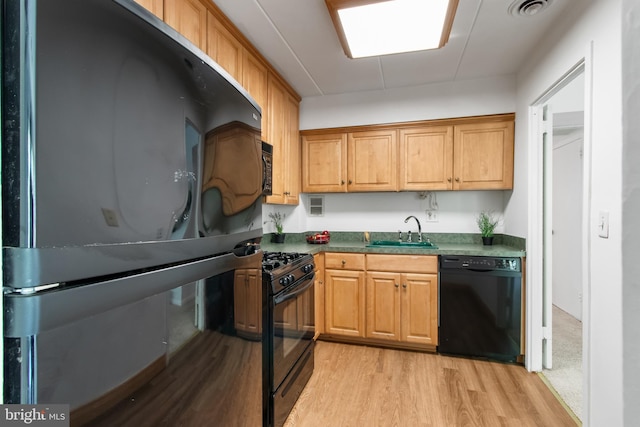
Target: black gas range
x=290 y=329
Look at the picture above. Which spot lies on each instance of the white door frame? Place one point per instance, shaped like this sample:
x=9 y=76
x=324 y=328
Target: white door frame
x=535 y=241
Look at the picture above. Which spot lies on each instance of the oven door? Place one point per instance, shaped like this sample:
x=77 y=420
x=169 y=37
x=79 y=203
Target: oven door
x=293 y=326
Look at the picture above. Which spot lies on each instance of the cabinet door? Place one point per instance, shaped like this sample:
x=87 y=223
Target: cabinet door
x=292 y=144
x=254 y=80
x=383 y=306
x=189 y=18
x=344 y=303
x=483 y=156
x=426 y=158
x=276 y=97
x=324 y=163
x=248 y=300
x=224 y=48
x=372 y=161
x=154 y=6
x=283 y=134
x=419 y=323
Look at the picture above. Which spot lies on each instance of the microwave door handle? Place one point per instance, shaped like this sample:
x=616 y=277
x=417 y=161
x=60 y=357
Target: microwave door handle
x=264 y=175
x=291 y=295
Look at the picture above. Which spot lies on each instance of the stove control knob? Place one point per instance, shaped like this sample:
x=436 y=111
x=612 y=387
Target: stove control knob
x=287 y=280
x=307 y=268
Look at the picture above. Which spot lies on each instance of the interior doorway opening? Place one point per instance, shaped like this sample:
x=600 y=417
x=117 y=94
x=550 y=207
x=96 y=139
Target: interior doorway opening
x=560 y=234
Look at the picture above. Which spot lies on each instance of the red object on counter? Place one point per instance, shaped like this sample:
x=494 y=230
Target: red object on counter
x=319 y=238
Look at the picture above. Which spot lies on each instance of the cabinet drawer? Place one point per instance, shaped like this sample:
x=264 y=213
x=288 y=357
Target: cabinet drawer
x=403 y=263
x=344 y=261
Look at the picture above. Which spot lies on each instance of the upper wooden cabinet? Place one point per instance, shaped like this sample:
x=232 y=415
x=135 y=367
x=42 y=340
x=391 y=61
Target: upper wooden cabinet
x=483 y=156
x=154 y=6
x=324 y=163
x=224 y=48
x=473 y=156
x=282 y=133
x=473 y=153
x=426 y=158
x=254 y=80
x=354 y=161
x=371 y=158
x=189 y=18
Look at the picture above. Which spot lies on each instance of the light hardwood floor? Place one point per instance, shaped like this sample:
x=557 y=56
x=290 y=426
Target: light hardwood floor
x=366 y=386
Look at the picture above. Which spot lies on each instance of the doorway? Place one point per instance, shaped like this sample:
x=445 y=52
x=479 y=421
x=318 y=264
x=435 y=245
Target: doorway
x=564 y=367
x=557 y=231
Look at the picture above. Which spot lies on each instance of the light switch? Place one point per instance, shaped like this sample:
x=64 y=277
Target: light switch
x=603 y=224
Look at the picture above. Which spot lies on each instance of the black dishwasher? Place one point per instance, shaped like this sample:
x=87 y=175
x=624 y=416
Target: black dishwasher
x=480 y=307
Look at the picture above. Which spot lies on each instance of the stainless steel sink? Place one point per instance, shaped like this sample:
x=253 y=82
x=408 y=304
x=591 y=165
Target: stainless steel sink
x=397 y=244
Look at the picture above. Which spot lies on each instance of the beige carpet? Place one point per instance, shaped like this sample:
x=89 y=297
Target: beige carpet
x=566 y=375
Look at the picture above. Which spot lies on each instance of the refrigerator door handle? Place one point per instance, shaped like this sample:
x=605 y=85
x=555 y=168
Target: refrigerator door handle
x=41 y=311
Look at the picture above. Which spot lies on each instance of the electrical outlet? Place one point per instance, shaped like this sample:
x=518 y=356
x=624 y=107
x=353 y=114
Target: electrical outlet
x=432 y=216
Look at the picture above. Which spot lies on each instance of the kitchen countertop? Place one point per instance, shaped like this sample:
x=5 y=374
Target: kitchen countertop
x=447 y=245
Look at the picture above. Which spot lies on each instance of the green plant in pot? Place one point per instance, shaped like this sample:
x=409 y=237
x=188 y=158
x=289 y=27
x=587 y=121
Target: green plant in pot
x=276 y=218
x=487 y=223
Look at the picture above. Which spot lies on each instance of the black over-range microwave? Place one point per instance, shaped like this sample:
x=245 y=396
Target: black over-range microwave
x=267 y=168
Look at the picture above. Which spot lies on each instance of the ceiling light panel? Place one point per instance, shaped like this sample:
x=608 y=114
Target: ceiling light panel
x=373 y=28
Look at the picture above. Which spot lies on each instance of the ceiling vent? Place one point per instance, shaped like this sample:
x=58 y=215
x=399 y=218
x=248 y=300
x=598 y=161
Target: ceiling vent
x=528 y=7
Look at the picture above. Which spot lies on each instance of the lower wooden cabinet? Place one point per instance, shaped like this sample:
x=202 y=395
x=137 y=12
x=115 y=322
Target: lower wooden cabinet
x=344 y=302
x=419 y=309
x=247 y=306
x=402 y=307
x=379 y=298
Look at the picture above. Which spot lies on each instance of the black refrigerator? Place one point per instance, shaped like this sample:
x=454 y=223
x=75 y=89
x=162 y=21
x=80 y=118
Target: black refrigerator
x=132 y=182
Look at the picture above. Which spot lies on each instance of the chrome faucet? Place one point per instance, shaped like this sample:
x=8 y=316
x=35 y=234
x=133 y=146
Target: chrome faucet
x=419 y=228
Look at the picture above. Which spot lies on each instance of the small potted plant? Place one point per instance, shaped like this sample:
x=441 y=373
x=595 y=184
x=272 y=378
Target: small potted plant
x=276 y=218
x=487 y=223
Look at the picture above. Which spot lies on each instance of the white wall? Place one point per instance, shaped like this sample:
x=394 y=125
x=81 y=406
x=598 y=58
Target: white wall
x=597 y=22
x=387 y=212
x=493 y=95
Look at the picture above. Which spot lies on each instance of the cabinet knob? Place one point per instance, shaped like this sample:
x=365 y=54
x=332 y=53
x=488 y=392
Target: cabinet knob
x=342 y=182
x=350 y=182
x=397 y=285
x=344 y=262
x=404 y=285
x=457 y=179
x=449 y=179
x=286 y=193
